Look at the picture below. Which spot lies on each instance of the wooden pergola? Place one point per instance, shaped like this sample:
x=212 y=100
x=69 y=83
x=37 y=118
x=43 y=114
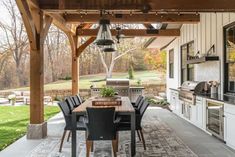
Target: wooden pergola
x=76 y=17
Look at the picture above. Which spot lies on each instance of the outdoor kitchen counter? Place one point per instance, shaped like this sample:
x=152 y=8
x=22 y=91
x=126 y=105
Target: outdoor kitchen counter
x=174 y=89
x=219 y=97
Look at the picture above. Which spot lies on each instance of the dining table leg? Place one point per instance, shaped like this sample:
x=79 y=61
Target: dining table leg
x=133 y=127
x=74 y=135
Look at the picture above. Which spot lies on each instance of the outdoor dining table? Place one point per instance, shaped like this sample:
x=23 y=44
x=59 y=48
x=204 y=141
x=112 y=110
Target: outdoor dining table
x=125 y=109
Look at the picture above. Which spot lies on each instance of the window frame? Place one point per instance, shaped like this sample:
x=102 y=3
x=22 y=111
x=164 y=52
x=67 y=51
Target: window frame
x=187 y=68
x=171 y=62
x=226 y=63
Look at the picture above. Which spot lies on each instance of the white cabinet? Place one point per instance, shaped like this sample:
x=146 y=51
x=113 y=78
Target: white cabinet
x=197 y=116
x=229 y=125
x=193 y=114
x=174 y=100
x=199 y=110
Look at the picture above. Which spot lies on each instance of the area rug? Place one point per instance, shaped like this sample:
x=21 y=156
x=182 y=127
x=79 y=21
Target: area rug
x=161 y=141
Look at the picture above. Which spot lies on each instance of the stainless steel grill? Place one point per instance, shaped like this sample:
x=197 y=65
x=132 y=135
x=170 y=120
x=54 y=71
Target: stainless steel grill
x=120 y=85
x=118 y=82
x=189 y=89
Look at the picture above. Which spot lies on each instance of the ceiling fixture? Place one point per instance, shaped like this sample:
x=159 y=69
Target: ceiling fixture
x=104 y=36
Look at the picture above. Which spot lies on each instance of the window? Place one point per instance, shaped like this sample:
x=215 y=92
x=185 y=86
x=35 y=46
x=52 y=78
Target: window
x=171 y=63
x=187 y=70
x=229 y=63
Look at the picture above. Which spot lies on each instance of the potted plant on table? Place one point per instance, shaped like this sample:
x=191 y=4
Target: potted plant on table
x=107 y=92
x=108 y=98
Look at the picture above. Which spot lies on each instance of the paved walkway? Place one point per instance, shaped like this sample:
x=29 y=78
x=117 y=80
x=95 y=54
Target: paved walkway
x=198 y=141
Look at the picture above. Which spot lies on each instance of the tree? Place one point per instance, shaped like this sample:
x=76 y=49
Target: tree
x=156 y=59
x=57 y=50
x=16 y=40
x=115 y=56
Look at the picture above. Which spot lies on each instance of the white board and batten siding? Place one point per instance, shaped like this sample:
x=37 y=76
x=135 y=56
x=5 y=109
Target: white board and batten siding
x=208 y=32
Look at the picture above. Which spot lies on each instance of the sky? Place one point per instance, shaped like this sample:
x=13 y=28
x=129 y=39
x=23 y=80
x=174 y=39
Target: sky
x=3 y=12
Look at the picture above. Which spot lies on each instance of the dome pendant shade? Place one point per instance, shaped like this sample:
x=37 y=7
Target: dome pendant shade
x=110 y=48
x=104 y=36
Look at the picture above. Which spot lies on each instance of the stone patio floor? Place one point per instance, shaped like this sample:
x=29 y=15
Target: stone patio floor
x=197 y=140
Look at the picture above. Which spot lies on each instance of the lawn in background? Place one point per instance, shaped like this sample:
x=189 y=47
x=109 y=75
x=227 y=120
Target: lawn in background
x=14 y=121
x=146 y=77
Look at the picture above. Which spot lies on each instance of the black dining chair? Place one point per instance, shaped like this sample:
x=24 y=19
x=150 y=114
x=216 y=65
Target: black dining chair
x=125 y=118
x=76 y=100
x=101 y=125
x=139 y=105
x=135 y=104
x=80 y=98
x=71 y=103
x=125 y=125
x=68 y=122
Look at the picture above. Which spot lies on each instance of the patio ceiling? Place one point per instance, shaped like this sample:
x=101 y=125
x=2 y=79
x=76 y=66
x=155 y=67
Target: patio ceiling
x=137 y=5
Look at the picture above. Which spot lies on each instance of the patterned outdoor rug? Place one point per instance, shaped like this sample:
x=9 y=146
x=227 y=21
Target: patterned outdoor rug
x=161 y=141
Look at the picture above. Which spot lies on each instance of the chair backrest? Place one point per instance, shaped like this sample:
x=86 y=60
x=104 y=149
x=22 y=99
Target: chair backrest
x=66 y=112
x=140 y=103
x=76 y=101
x=70 y=103
x=101 y=124
x=140 y=97
x=144 y=107
x=79 y=97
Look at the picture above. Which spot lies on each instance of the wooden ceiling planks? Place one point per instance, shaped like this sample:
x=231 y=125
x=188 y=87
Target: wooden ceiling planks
x=137 y=5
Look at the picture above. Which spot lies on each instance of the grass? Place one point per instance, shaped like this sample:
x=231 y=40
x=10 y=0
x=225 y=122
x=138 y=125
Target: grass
x=14 y=120
x=146 y=77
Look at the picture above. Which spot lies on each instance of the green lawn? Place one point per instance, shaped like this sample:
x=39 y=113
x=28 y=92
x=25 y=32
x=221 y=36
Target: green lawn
x=14 y=120
x=146 y=77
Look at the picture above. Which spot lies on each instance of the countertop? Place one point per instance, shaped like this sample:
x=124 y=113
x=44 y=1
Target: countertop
x=219 y=97
x=174 y=89
x=230 y=99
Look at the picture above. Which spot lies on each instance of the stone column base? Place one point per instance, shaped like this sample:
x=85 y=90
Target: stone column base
x=37 y=131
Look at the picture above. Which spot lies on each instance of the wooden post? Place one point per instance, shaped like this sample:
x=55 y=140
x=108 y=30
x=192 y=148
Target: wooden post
x=75 y=68
x=75 y=63
x=37 y=26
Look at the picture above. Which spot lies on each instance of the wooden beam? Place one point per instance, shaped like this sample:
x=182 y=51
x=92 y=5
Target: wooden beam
x=28 y=22
x=132 y=32
x=33 y=3
x=81 y=48
x=155 y=5
x=135 y=18
x=60 y=22
x=46 y=26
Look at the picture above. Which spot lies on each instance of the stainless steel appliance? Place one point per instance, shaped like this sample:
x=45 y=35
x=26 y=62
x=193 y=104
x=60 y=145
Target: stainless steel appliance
x=215 y=119
x=189 y=89
x=187 y=95
x=122 y=87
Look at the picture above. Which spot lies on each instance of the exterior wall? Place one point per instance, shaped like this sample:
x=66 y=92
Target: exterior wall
x=204 y=34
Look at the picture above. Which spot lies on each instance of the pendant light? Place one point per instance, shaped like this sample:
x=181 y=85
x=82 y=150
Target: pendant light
x=110 y=48
x=104 y=36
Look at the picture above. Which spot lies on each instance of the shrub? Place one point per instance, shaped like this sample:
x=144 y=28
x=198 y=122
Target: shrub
x=131 y=73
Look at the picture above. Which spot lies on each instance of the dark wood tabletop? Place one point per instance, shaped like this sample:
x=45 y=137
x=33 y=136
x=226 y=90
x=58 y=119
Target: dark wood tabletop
x=125 y=107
